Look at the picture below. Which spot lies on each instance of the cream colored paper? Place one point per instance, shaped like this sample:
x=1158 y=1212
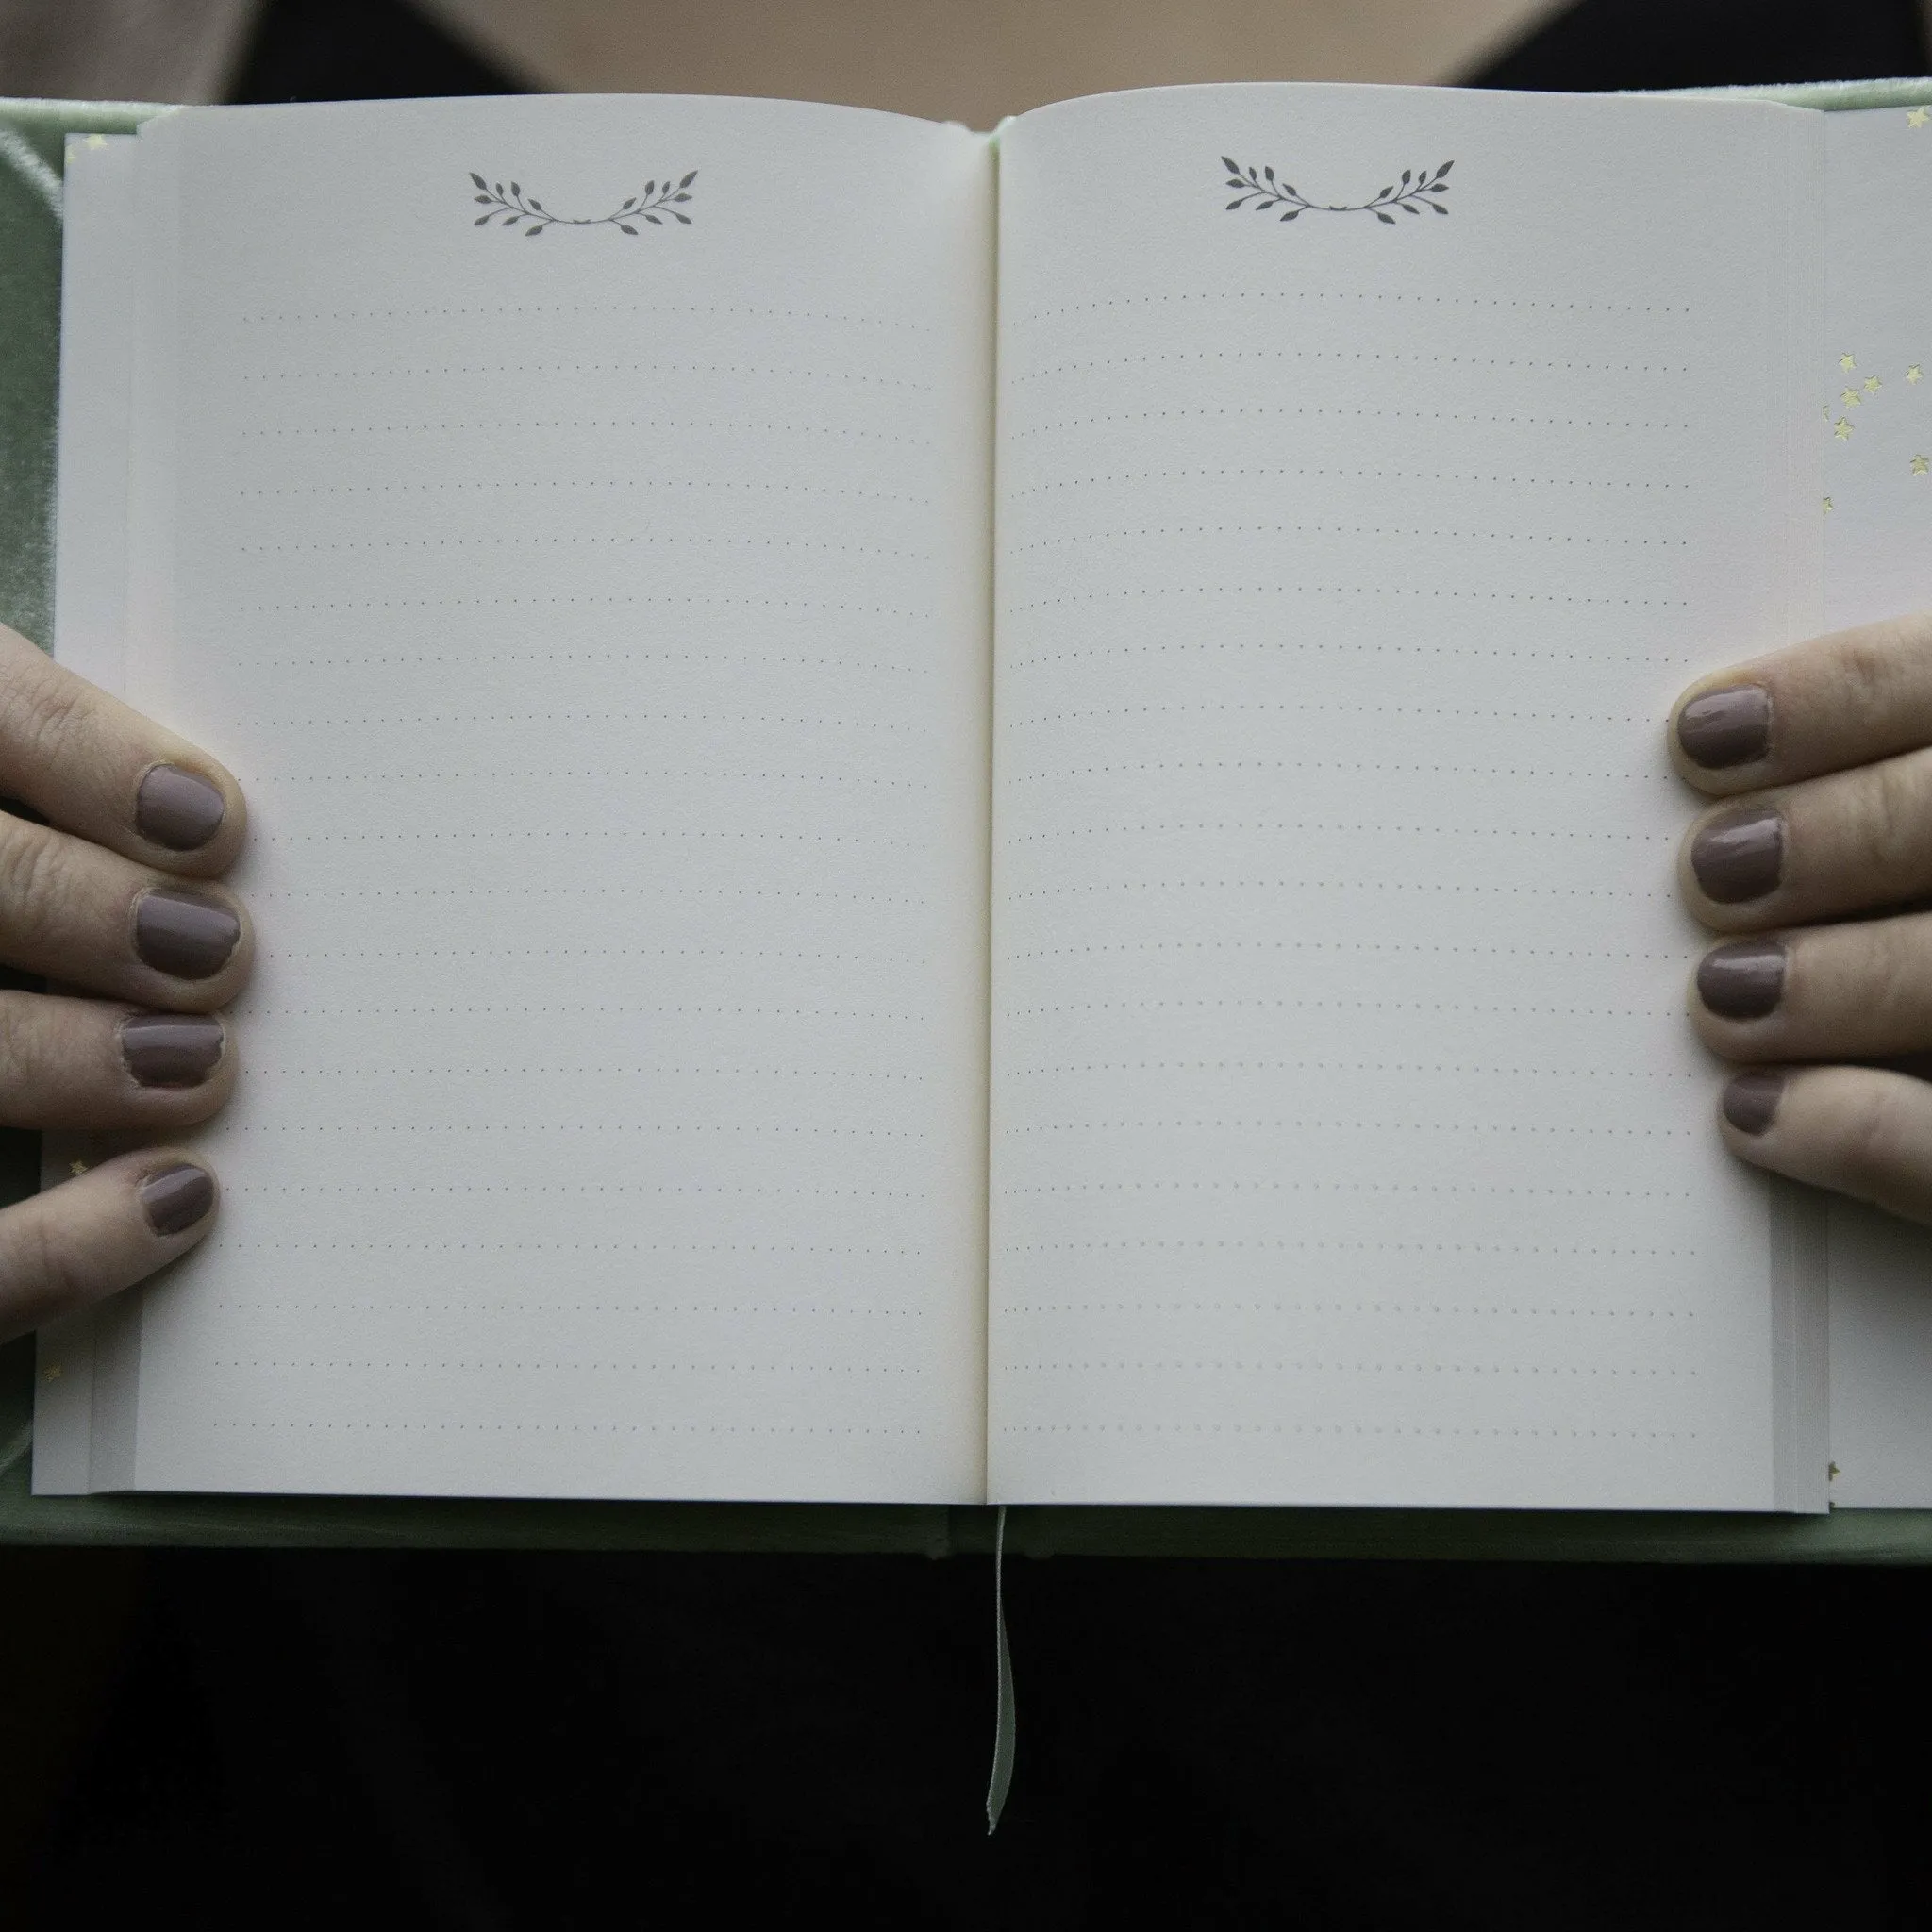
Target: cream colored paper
x=597 y=624
x=1878 y=428
x=1349 y=1145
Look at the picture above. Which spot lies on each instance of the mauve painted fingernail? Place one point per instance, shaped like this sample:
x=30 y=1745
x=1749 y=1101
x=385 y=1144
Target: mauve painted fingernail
x=178 y=809
x=1739 y=856
x=178 y=933
x=1743 y=981
x=177 y=1197
x=171 y=1049
x=1726 y=727
x=1751 y=1101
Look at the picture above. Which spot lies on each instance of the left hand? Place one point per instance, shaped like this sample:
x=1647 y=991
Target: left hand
x=1812 y=866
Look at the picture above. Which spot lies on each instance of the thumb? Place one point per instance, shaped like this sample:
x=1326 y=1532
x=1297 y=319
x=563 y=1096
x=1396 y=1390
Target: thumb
x=99 y=1233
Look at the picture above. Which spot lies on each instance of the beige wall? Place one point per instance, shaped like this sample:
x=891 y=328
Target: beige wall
x=968 y=60
x=973 y=61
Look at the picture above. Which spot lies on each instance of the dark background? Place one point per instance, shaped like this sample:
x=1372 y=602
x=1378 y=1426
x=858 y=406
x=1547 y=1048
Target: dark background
x=423 y=1739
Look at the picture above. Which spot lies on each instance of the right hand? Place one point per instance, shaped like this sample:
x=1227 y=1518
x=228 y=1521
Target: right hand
x=112 y=896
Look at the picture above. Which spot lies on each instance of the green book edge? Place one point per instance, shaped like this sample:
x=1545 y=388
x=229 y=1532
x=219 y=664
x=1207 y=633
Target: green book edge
x=32 y=147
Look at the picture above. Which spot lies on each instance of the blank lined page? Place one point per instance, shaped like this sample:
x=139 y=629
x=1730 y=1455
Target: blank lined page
x=568 y=522
x=1349 y=1143
x=1877 y=429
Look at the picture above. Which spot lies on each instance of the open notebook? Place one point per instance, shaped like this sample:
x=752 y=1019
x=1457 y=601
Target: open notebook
x=938 y=821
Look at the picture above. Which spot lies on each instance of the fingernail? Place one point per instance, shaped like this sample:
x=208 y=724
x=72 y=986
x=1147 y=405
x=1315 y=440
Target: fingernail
x=1751 y=1101
x=177 y=1197
x=178 y=809
x=171 y=1049
x=1726 y=727
x=1739 y=856
x=1742 y=981
x=187 y=937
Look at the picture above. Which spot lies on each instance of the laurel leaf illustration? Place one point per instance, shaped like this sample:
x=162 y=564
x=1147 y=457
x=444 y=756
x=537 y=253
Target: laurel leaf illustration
x=478 y=180
x=689 y=178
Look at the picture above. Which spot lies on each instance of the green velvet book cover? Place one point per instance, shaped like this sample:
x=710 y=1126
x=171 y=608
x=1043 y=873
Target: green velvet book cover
x=30 y=162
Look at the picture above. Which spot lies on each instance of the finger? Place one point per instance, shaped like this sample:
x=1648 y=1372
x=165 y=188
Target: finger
x=84 y=1063
x=76 y=913
x=103 y=1232
x=1858 y=992
x=1849 y=843
x=88 y=762
x=1822 y=706
x=1862 y=1131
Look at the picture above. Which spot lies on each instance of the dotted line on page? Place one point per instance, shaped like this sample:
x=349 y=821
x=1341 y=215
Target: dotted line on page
x=1113 y=477
x=1353 y=767
x=1258 y=411
x=523 y=541
x=370 y=1428
x=1511 y=1311
x=1305 y=1364
x=634 y=367
x=1396 y=590
x=1290 y=648
x=546 y=1309
x=1485 y=1190
x=1310 y=1247
x=496 y=309
x=446 y=1247
x=1357 y=1429
x=546 y=661
x=1440 y=828
x=691 y=1127
x=1032 y=318
x=1392 y=948
x=1308 y=1006
x=609 y=772
x=1401 y=886
x=495 y=600
x=1226 y=1066
x=1409 y=536
x=617 y=1068
x=694 y=1367
x=1535 y=1130
x=1296 y=354
x=494 y=1187
x=579 y=422
x=438 y=720
x=1296 y=708
x=891 y=497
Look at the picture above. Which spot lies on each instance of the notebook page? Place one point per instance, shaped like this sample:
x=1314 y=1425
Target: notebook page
x=1349 y=1143
x=1878 y=564
x=596 y=621
x=91 y=613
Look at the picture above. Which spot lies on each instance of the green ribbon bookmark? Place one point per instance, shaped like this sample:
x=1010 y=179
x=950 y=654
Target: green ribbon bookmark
x=1002 y=1722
